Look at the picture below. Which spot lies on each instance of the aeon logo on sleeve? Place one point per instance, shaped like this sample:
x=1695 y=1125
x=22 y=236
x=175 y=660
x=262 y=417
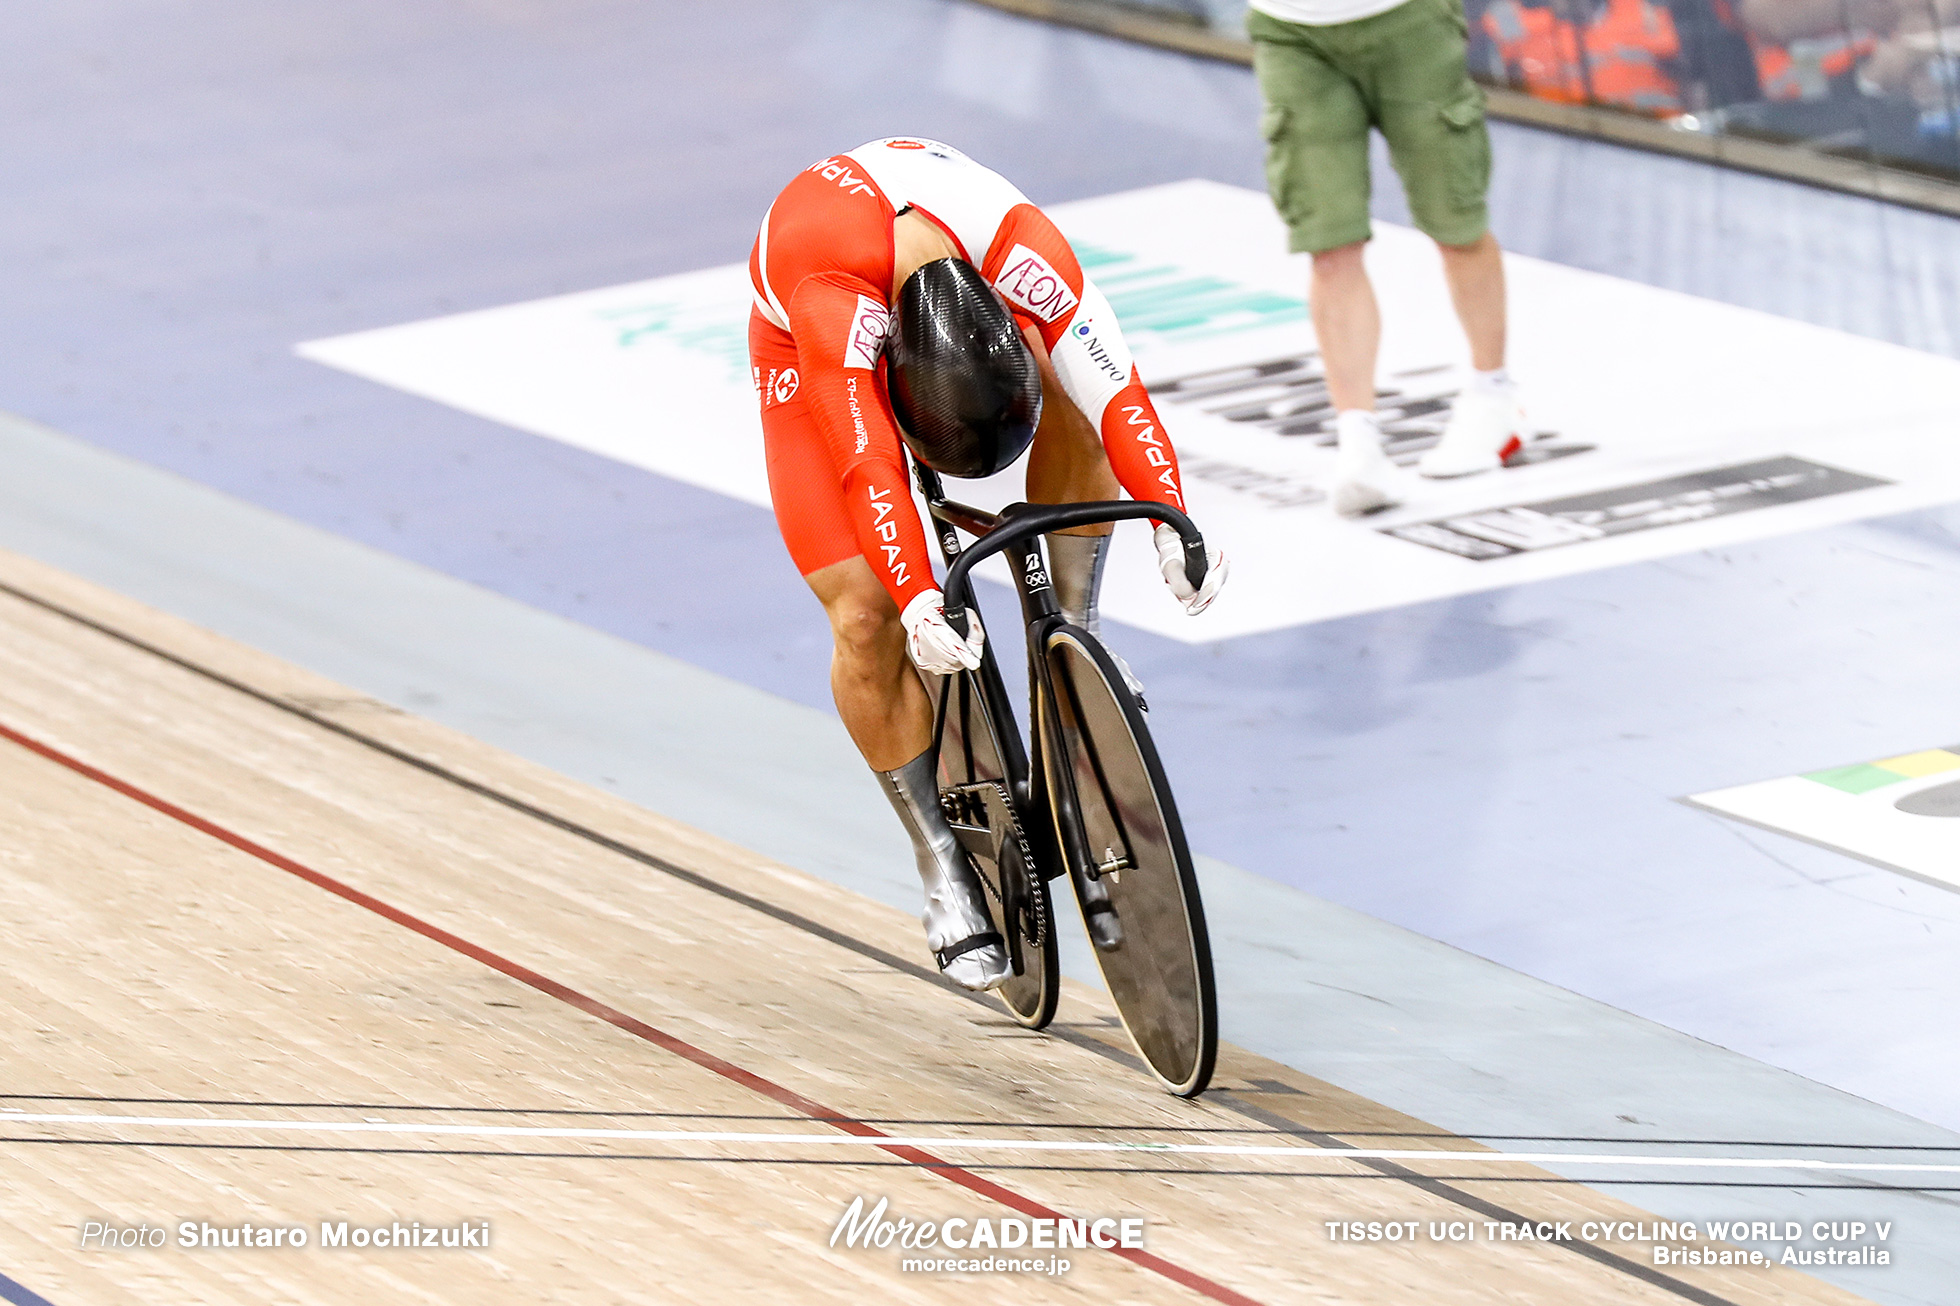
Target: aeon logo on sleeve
x=869 y=326
x=1027 y=279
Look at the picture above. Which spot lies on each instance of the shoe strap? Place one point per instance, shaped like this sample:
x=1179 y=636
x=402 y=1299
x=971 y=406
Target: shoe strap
x=952 y=952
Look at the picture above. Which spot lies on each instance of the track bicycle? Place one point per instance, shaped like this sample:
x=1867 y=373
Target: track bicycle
x=1085 y=796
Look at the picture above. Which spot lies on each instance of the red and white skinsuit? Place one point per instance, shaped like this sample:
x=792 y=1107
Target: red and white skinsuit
x=821 y=271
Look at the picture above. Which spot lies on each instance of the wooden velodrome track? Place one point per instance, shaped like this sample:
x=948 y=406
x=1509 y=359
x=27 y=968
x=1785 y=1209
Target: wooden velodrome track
x=239 y=893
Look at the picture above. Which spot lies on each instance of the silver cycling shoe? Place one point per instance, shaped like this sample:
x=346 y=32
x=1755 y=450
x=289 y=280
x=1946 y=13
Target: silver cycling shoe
x=969 y=950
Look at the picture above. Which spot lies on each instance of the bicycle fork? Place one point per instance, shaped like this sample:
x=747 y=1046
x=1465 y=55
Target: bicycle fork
x=1043 y=614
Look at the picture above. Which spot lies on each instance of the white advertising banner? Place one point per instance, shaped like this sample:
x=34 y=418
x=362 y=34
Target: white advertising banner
x=1899 y=812
x=1668 y=423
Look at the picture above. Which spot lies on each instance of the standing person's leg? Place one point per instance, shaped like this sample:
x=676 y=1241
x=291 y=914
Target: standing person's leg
x=1487 y=425
x=1433 y=116
x=1348 y=324
x=1475 y=273
x=1316 y=125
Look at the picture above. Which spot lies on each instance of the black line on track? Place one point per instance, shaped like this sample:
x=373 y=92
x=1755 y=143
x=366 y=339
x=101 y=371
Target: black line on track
x=866 y=950
x=868 y=1163
x=1440 y=1188
x=914 y=1121
x=498 y=796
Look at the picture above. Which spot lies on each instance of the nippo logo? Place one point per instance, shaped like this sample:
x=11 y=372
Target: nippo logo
x=1028 y=280
x=869 y=326
x=1091 y=344
x=786 y=385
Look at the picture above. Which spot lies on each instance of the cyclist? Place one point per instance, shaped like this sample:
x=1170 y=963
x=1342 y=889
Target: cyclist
x=999 y=342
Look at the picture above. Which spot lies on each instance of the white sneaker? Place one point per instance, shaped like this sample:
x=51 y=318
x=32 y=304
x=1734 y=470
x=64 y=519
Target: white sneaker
x=1364 y=479
x=1485 y=431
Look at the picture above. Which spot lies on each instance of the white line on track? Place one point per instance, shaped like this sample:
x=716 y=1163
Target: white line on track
x=9 y=1115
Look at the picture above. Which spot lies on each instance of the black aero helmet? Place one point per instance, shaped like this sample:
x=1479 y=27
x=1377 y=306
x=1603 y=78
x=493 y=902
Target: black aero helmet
x=963 y=382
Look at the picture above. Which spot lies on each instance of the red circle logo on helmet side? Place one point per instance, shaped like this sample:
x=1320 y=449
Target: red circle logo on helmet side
x=905 y=145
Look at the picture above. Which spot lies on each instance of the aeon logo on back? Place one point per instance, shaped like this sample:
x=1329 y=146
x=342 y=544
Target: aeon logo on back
x=1028 y=280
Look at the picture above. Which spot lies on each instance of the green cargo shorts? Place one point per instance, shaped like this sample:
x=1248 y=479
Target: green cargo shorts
x=1401 y=71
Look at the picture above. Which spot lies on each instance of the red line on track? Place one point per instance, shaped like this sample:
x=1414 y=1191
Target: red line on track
x=613 y=1016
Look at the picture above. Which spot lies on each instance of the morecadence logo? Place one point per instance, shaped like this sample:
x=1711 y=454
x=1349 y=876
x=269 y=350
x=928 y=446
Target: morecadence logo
x=973 y=1244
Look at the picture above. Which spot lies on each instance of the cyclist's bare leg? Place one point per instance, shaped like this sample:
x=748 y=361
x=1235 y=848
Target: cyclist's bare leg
x=1068 y=465
x=885 y=708
x=879 y=697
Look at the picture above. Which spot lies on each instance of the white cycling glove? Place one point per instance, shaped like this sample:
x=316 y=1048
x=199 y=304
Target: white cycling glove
x=933 y=643
x=1170 y=561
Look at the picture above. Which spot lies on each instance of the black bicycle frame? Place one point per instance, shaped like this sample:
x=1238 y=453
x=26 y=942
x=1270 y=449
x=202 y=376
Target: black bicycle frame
x=1016 y=526
x=1017 y=529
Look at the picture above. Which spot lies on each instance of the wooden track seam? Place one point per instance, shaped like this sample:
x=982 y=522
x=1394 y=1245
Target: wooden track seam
x=1224 y=1097
x=613 y=1016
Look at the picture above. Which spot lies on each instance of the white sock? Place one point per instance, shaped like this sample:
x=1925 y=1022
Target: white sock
x=1497 y=381
x=1357 y=424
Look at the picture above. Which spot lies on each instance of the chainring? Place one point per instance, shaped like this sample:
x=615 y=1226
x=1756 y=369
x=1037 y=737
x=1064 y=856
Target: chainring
x=985 y=806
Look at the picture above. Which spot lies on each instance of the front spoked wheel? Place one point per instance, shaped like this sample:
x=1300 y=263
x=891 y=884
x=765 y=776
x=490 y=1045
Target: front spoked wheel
x=1128 y=861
